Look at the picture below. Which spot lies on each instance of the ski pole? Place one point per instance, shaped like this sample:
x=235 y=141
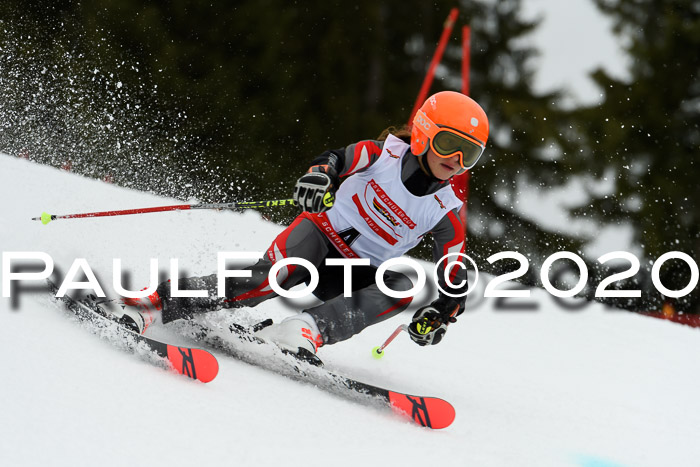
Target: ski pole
x=46 y=218
x=378 y=352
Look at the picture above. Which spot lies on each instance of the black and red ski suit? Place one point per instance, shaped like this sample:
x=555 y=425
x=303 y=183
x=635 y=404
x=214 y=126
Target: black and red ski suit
x=338 y=317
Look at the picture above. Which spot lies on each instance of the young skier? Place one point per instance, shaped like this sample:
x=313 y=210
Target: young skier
x=396 y=190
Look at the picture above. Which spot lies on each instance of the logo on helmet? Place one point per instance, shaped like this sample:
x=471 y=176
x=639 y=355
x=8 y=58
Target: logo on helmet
x=423 y=122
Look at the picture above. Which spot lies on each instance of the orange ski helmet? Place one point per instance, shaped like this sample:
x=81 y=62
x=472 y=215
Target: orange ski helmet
x=450 y=123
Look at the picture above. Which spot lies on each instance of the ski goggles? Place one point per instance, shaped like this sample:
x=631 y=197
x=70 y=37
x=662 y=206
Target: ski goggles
x=446 y=142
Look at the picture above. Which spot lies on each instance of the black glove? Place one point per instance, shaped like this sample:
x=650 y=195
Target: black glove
x=315 y=190
x=429 y=323
x=426 y=327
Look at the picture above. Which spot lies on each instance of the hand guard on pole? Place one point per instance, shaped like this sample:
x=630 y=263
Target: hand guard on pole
x=315 y=190
x=429 y=323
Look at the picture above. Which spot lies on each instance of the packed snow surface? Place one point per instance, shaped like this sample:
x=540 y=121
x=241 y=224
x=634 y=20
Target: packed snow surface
x=544 y=387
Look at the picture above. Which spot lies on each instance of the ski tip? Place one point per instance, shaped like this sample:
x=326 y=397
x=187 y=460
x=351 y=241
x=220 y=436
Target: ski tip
x=194 y=363
x=429 y=412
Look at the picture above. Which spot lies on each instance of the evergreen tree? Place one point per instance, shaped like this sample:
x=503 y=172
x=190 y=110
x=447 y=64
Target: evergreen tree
x=647 y=130
x=531 y=146
x=265 y=86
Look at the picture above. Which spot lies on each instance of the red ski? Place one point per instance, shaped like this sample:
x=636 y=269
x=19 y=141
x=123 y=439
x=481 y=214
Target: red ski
x=194 y=363
x=429 y=412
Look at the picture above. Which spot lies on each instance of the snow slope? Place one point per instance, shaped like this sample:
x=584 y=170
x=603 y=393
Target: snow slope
x=546 y=387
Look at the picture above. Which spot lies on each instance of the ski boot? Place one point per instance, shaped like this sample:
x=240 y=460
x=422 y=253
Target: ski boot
x=297 y=336
x=150 y=308
x=118 y=312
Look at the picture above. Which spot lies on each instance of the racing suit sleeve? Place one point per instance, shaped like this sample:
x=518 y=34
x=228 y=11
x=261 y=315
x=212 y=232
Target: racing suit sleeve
x=450 y=238
x=351 y=159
